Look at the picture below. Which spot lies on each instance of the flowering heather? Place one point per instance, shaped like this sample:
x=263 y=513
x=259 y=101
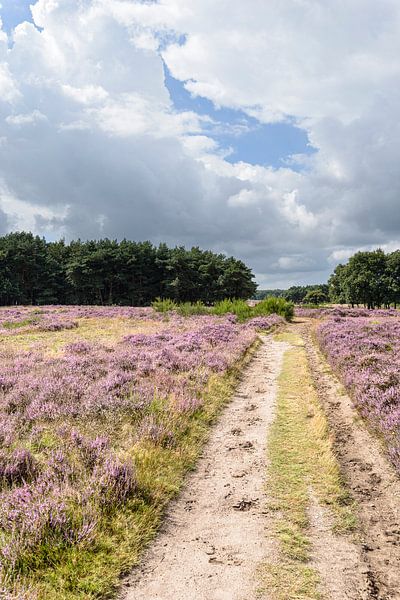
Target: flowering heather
x=72 y=424
x=366 y=354
x=319 y=313
x=265 y=323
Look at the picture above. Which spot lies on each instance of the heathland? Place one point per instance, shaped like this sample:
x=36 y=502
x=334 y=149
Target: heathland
x=105 y=410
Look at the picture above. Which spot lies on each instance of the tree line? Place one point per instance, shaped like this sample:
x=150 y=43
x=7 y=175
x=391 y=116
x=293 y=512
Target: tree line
x=299 y=294
x=368 y=278
x=34 y=271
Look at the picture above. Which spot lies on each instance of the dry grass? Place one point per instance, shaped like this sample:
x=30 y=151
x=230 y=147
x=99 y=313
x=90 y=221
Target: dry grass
x=100 y=330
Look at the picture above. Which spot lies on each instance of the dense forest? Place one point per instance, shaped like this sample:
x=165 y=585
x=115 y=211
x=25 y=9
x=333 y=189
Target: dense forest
x=34 y=271
x=369 y=278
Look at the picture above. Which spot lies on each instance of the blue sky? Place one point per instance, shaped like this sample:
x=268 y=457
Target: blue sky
x=268 y=145
x=245 y=138
x=14 y=12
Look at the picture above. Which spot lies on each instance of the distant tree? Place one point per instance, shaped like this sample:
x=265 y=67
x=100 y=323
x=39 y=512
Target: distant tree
x=337 y=292
x=236 y=280
x=26 y=271
x=317 y=296
x=365 y=279
x=371 y=278
x=297 y=293
x=393 y=277
x=261 y=294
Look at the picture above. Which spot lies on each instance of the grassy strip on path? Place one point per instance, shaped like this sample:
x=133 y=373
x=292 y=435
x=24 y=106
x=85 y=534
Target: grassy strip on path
x=301 y=463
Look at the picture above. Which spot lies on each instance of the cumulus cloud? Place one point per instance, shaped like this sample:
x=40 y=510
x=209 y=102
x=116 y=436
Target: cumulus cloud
x=91 y=144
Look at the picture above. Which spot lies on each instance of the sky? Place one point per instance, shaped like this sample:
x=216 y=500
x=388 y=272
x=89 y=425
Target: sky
x=265 y=130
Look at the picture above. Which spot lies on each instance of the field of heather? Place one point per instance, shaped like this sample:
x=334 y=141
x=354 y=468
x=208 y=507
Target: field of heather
x=341 y=312
x=102 y=412
x=365 y=352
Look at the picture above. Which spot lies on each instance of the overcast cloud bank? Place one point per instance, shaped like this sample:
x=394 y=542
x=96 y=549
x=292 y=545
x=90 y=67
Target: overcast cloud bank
x=91 y=144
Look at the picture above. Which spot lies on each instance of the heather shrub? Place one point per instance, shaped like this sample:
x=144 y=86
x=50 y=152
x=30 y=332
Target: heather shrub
x=114 y=481
x=265 y=323
x=42 y=518
x=17 y=468
x=18 y=324
x=365 y=353
x=154 y=431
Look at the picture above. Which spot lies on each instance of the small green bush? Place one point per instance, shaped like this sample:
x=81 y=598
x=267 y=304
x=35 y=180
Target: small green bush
x=271 y=305
x=186 y=309
x=163 y=305
x=240 y=308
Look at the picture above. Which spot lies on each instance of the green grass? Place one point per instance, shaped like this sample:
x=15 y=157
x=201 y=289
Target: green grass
x=18 y=324
x=94 y=571
x=301 y=462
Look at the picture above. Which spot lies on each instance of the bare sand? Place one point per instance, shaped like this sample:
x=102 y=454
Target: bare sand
x=214 y=536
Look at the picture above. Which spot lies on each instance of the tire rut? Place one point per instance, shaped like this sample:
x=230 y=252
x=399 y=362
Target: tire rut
x=370 y=478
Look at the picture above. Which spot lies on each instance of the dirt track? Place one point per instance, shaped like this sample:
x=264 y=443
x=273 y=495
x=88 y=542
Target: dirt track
x=371 y=479
x=218 y=532
x=214 y=534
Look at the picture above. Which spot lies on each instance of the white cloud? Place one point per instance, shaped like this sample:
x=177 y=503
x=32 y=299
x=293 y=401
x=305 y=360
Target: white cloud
x=26 y=119
x=90 y=94
x=308 y=59
x=296 y=213
x=8 y=89
x=91 y=143
x=294 y=263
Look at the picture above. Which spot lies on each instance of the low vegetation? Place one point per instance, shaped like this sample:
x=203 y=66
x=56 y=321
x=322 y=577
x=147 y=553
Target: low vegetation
x=342 y=312
x=97 y=431
x=239 y=308
x=277 y=306
x=365 y=352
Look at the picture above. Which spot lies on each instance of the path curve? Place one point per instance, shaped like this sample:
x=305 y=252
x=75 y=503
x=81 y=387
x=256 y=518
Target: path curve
x=213 y=537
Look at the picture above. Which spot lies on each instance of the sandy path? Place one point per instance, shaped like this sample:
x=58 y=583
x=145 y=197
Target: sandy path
x=213 y=536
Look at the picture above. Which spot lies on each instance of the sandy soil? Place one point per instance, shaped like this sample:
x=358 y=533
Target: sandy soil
x=337 y=558
x=213 y=537
x=371 y=479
